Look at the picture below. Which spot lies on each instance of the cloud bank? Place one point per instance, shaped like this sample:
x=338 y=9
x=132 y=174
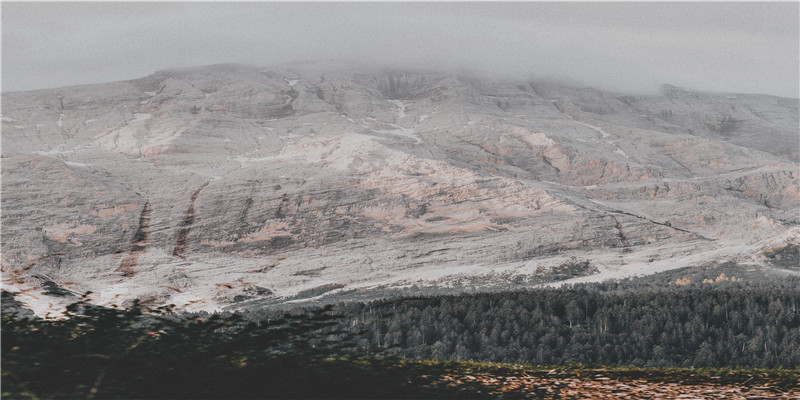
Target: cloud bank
x=626 y=47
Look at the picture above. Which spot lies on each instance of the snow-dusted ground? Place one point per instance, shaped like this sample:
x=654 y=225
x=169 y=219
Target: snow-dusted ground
x=378 y=193
x=398 y=130
x=222 y=278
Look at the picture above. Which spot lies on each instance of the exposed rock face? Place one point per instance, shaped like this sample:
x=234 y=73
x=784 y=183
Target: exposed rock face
x=208 y=186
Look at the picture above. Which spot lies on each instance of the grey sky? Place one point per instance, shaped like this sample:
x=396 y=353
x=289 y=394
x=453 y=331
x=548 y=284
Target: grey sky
x=720 y=46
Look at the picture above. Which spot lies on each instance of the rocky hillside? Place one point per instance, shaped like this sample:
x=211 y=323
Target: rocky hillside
x=232 y=185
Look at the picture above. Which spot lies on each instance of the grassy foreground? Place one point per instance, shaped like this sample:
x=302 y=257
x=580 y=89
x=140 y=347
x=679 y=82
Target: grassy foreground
x=375 y=378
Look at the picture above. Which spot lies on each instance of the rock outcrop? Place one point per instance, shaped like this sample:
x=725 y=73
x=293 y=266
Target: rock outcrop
x=208 y=186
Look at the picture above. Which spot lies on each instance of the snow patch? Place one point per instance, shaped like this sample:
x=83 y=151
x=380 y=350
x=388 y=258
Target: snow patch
x=603 y=134
x=595 y=201
x=42 y=305
x=89 y=121
x=244 y=160
x=620 y=152
x=111 y=295
x=194 y=302
x=56 y=151
x=401 y=108
x=399 y=131
x=7 y=119
x=76 y=164
x=141 y=116
x=150 y=93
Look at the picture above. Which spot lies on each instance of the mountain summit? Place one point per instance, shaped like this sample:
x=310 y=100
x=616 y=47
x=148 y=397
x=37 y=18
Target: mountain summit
x=236 y=186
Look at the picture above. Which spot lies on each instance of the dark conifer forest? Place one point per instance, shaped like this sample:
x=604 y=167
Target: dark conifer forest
x=684 y=318
x=727 y=327
x=413 y=347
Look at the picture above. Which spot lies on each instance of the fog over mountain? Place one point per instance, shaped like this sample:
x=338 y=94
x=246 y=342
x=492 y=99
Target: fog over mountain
x=241 y=155
x=628 y=47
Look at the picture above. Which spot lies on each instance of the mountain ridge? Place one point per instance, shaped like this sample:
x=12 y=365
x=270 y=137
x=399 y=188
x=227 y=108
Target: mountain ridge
x=177 y=186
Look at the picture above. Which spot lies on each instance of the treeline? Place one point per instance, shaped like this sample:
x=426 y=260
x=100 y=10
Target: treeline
x=722 y=324
x=156 y=353
x=713 y=328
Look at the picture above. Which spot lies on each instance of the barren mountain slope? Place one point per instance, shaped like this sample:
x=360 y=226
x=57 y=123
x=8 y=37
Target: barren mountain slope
x=231 y=184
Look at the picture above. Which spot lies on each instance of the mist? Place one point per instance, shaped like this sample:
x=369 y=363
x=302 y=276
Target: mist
x=624 y=47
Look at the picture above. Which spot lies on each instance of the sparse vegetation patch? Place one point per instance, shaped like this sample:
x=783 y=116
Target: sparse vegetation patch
x=785 y=257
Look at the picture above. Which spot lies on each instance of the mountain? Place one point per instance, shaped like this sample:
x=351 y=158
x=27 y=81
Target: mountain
x=231 y=186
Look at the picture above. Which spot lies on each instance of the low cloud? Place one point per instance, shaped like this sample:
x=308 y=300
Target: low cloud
x=630 y=47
